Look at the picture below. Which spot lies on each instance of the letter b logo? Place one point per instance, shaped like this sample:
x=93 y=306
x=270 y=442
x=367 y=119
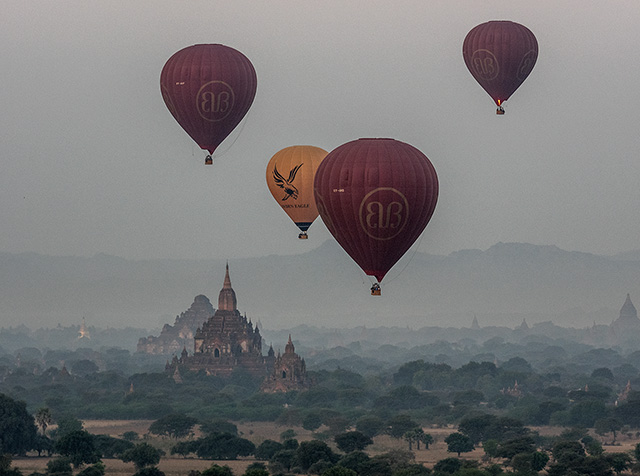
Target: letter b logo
x=383 y=213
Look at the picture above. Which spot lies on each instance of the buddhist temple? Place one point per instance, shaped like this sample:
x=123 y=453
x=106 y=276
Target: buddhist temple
x=227 y=342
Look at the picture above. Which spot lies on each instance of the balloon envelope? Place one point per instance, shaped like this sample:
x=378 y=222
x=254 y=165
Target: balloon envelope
x=376 y=196
x=500 y=55
x=208 y=90
x=290 y=174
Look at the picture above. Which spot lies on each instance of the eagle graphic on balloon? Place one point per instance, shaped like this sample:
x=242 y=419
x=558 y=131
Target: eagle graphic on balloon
x=290 y=190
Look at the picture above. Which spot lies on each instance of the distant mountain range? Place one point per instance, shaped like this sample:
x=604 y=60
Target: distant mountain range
x=501 y=286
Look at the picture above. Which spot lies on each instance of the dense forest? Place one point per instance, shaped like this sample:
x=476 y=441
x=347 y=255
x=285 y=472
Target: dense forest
x=487 y=402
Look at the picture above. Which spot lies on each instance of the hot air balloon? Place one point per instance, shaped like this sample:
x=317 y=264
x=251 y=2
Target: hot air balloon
x=376 y=196
x=208 y=90
x=290 y=174
x=500 y=55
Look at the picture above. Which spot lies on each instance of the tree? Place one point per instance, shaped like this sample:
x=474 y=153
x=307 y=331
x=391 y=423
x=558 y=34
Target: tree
x=5 y=466
x=629 y=413
x=477 y=427
x=399 y=425
x=142 y=455
x=17 y=428
x=490 y=448
x=607 y=425
x=59 y=467
x=619 y=461
x=319 y=467
x=539 y=460
x=510 y=448
x=517 y=364
x=282 y=461
x=458 y=443
x=448 y=465
x=290 y=444
x=412 y=470
x=43 y=443
x=593 y=447
x=96 y=469
x=256 y=469
x=468 y=397
x=84 y=367
x=217 y=470
x=310 y=452
x=417 y=436
x=339 y=471
x=176 y=425
x=568 y=452
x=79 y=447
x=337 y=424
x=223 y=446
x=603 y=373
x=183 y=448
x=586 y=412
x=355 y=461
x=410 y=437
x=219 y=426
x=524 y=463
x=377 y=466
x=406 y=397
x=352 y=441
x=287 y=434
x=370 y=425
x=394 y=459
x=110 y=447
x=43 y=419
x=67 y=424
x=130 y=436
x=312 y=421
x=424 y=438
x=521 y=463
x=267 y=449
x=149 y=471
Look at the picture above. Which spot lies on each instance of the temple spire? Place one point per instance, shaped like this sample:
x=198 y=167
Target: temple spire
x=227 y=298
x=227 y=279
x=628 y=310
x=289 y=348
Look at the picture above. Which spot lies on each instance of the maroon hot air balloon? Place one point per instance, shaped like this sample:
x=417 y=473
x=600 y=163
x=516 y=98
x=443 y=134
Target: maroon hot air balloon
x=208 y=90
x=500 y=55
x=376 y=196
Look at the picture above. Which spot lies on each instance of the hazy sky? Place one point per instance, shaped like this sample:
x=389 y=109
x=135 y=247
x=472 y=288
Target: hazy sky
x=93 y=162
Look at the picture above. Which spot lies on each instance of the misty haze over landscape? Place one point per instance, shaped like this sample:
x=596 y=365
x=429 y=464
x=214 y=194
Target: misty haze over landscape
x=500 y=286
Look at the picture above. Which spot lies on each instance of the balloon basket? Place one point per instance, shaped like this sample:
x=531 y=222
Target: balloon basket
x=500 y=111
x=208 y=160
x=375 y=290
x=303 y=236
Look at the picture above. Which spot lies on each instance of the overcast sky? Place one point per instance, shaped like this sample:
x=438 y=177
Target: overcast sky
x=92 y=161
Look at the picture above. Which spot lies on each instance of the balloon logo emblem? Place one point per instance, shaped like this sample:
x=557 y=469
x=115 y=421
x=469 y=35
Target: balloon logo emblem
x=485 y=64
x=215 y=101
x=286 y=184
x=527 y=64
x=383 y=213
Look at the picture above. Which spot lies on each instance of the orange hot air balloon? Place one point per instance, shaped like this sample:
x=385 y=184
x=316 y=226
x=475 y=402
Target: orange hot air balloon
x=290 y=175
x=500 y=55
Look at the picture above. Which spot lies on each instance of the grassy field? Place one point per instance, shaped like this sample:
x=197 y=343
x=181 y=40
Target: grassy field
x=257 y=432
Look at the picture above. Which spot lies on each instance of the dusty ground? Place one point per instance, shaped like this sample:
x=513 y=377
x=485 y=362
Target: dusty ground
x=257 y=432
